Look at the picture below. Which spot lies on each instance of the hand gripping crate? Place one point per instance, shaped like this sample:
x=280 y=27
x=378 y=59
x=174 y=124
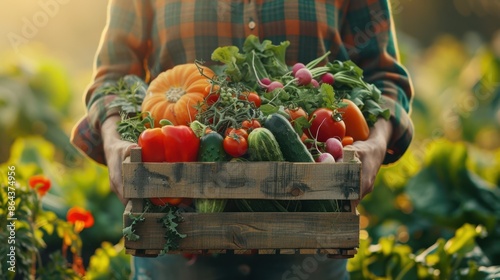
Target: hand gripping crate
x=333 y=233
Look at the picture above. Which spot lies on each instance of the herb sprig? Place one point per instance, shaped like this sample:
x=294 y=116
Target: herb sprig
x=130 y=91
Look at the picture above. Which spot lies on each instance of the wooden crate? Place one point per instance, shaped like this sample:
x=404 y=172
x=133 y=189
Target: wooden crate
x=332 y=233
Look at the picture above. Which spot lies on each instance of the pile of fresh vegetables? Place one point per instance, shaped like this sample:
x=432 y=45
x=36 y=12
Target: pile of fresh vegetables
x=254 y=107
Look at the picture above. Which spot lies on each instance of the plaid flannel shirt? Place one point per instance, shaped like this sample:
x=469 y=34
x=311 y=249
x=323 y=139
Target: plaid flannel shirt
x=146 y=37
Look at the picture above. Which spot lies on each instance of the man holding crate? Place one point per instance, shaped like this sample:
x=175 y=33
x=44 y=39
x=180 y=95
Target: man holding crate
x=146 y=37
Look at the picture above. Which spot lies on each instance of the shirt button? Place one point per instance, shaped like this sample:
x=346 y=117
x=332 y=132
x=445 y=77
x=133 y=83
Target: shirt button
x=251 y=24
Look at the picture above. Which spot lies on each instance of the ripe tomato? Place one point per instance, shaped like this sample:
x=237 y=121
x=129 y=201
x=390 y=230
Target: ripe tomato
x=213 y=94
x=252 y=97
x=240 y=131
x=212 y=98
x=235 y=145
x=296 y=113
x=324 y=125
x=250 y=125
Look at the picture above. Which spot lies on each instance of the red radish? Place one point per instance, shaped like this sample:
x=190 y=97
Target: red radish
x=303 y=76
x=274 y=85
x=328 y=78
x=296 y=67
x=333 y=146
x=325 y=158
x=265 y=81
x=314 y=83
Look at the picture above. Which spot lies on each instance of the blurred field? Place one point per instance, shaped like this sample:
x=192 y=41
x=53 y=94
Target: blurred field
x=70 y=35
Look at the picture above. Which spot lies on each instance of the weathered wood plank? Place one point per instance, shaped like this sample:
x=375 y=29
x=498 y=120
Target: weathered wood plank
x=334 y=234
x=247 y=231
x=257 y=180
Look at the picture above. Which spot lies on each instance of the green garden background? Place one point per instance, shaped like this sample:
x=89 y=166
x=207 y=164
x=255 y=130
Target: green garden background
x=435 y=214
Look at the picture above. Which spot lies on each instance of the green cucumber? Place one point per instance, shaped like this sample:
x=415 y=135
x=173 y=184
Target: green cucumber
x=292 y=147
x=211 y=150
x=262 y=146
x=294 y=150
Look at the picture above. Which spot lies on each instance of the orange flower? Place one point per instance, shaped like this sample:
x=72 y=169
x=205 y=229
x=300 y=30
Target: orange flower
x=40 y=183
x=80 y=217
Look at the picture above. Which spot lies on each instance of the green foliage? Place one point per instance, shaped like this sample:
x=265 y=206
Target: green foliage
x=448 y=178
x=34 y=100
x=27 y=223
x=129 y=231
x=17 y=228
x=170 y=221
x=57 y=268
x=130 y=91
x=256 y=61
x=109 y=263
x=419 y=202
x=33 y=227
x=449 y=193
x=454 y=258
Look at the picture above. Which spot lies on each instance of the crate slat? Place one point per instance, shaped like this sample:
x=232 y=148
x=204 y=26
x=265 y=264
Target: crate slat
x=251 y=180
x=256 y=230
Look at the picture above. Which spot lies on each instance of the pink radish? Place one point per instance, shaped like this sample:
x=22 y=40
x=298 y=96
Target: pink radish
x=333 y=146
x=303 y=76
x=325 y=158
x=274 y=85
x=296 y=67
x=265 y=81
x=328 y=78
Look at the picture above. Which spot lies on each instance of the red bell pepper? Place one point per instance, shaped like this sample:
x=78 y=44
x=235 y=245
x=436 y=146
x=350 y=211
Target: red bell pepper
x=181 y=143
x=169 y=144
x=151 y=142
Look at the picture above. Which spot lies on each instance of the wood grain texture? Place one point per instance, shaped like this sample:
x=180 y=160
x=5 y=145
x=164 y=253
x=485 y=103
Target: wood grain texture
x=258 y=180
x=255 y=230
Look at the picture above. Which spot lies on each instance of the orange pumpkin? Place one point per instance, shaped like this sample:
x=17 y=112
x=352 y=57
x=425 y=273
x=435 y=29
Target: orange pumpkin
x=174 y=94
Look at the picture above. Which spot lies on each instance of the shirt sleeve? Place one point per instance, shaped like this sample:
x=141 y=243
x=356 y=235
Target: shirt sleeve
x=123 y=50
x=369 y=37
